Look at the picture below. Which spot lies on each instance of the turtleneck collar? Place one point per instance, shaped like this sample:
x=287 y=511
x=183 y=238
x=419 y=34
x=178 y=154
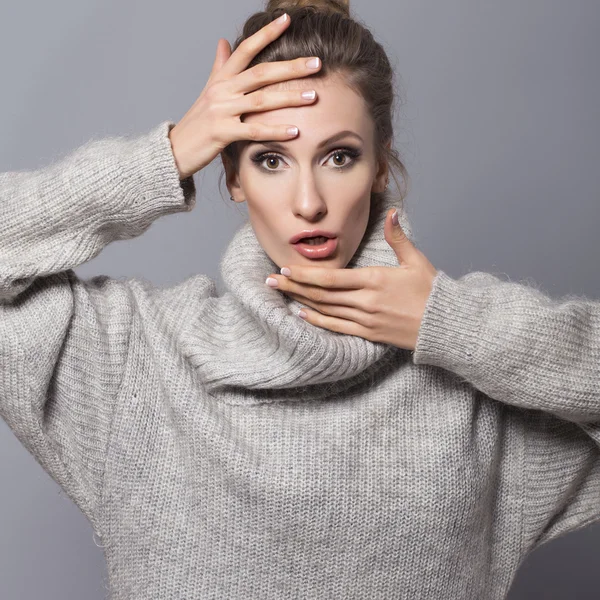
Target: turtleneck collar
x=250 y=346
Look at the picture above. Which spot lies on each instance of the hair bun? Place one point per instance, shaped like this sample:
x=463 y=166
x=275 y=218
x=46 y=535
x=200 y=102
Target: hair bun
x=332 y=6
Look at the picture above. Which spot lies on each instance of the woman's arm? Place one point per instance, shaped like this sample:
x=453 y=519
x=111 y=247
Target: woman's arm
x=64 y=342
x=515 y=344
x=518 y=346
x=61 y=216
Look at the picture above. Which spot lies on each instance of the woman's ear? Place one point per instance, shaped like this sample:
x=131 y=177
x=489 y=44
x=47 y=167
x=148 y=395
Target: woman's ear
x=381 y=178
x=232 y=179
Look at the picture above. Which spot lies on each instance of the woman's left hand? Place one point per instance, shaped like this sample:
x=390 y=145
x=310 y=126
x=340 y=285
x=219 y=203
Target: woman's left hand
x=380 y=304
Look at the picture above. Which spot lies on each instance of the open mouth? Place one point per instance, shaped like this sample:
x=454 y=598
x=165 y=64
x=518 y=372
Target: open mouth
x=316 y=247
x=313 y=241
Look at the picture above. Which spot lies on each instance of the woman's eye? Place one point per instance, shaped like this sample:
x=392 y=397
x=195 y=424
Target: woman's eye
x=337 y=155
x=339 y=159
x=271 y=159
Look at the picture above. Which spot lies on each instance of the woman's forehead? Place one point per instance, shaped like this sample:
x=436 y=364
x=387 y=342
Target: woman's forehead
x=337 y=107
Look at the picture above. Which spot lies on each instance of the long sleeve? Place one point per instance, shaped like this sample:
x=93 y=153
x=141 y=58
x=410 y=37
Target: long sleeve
x=64 y=341
x=523 y=348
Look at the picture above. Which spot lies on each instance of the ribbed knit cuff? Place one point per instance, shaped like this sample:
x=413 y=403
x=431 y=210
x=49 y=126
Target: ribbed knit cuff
x=449 y=332
x=152 y=177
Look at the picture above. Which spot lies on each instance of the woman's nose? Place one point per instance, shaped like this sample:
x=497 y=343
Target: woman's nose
x=309 y=202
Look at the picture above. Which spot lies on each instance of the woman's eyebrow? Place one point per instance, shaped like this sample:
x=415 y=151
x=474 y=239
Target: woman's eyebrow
x=333 y=138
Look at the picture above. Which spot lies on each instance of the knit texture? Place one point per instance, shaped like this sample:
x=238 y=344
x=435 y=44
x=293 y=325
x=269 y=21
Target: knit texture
x=222 y=447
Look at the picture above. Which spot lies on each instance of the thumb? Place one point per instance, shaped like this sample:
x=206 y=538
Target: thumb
x=397 y=239
x=222 y=56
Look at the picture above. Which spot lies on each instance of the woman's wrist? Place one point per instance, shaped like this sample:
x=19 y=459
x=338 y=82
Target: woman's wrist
x=184 y=172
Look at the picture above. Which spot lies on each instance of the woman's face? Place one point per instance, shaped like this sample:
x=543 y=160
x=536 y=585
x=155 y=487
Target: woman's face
x=303 y=183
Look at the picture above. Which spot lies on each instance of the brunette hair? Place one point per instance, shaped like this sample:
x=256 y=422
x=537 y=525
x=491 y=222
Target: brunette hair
x=347 y=48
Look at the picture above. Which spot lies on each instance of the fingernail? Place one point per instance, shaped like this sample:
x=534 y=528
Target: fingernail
x=282 y=18
x=285 y=271
x=302 y=314
x=395 y=217
x=271 y=281
x=313 y=63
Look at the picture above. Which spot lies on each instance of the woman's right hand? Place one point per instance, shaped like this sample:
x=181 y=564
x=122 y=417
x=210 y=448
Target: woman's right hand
x=213 y=122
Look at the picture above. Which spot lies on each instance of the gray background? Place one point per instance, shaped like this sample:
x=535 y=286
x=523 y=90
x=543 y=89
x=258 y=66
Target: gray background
x=499 y=130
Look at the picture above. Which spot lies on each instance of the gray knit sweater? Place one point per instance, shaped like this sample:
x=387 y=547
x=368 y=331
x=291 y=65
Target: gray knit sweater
x=223 y=448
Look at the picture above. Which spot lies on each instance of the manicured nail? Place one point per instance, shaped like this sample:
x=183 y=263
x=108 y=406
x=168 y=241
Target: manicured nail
x=302 y=314
x=395 y=217
x=271 y=281
x=313 y=63
x=282 y=18
x=285 y=271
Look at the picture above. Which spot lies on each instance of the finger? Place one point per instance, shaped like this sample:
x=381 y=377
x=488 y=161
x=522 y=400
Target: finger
x=334 y=310
x=251 y=46
x=335 y=324
x=262 y=101
x=259 y=132
x=273 y=72
x=324 y=296
x=332 y=278
x=405 y=250
x=222 y=56
x=217 y=61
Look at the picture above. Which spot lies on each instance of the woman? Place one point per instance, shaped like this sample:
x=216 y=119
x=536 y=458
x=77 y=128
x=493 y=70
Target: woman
x=414 y=437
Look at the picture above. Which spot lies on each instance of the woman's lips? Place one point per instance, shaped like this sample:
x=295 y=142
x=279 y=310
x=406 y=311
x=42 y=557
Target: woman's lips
x=321 y=251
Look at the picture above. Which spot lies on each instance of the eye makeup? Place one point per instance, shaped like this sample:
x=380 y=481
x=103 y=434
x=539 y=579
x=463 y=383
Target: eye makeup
x=354 y=153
